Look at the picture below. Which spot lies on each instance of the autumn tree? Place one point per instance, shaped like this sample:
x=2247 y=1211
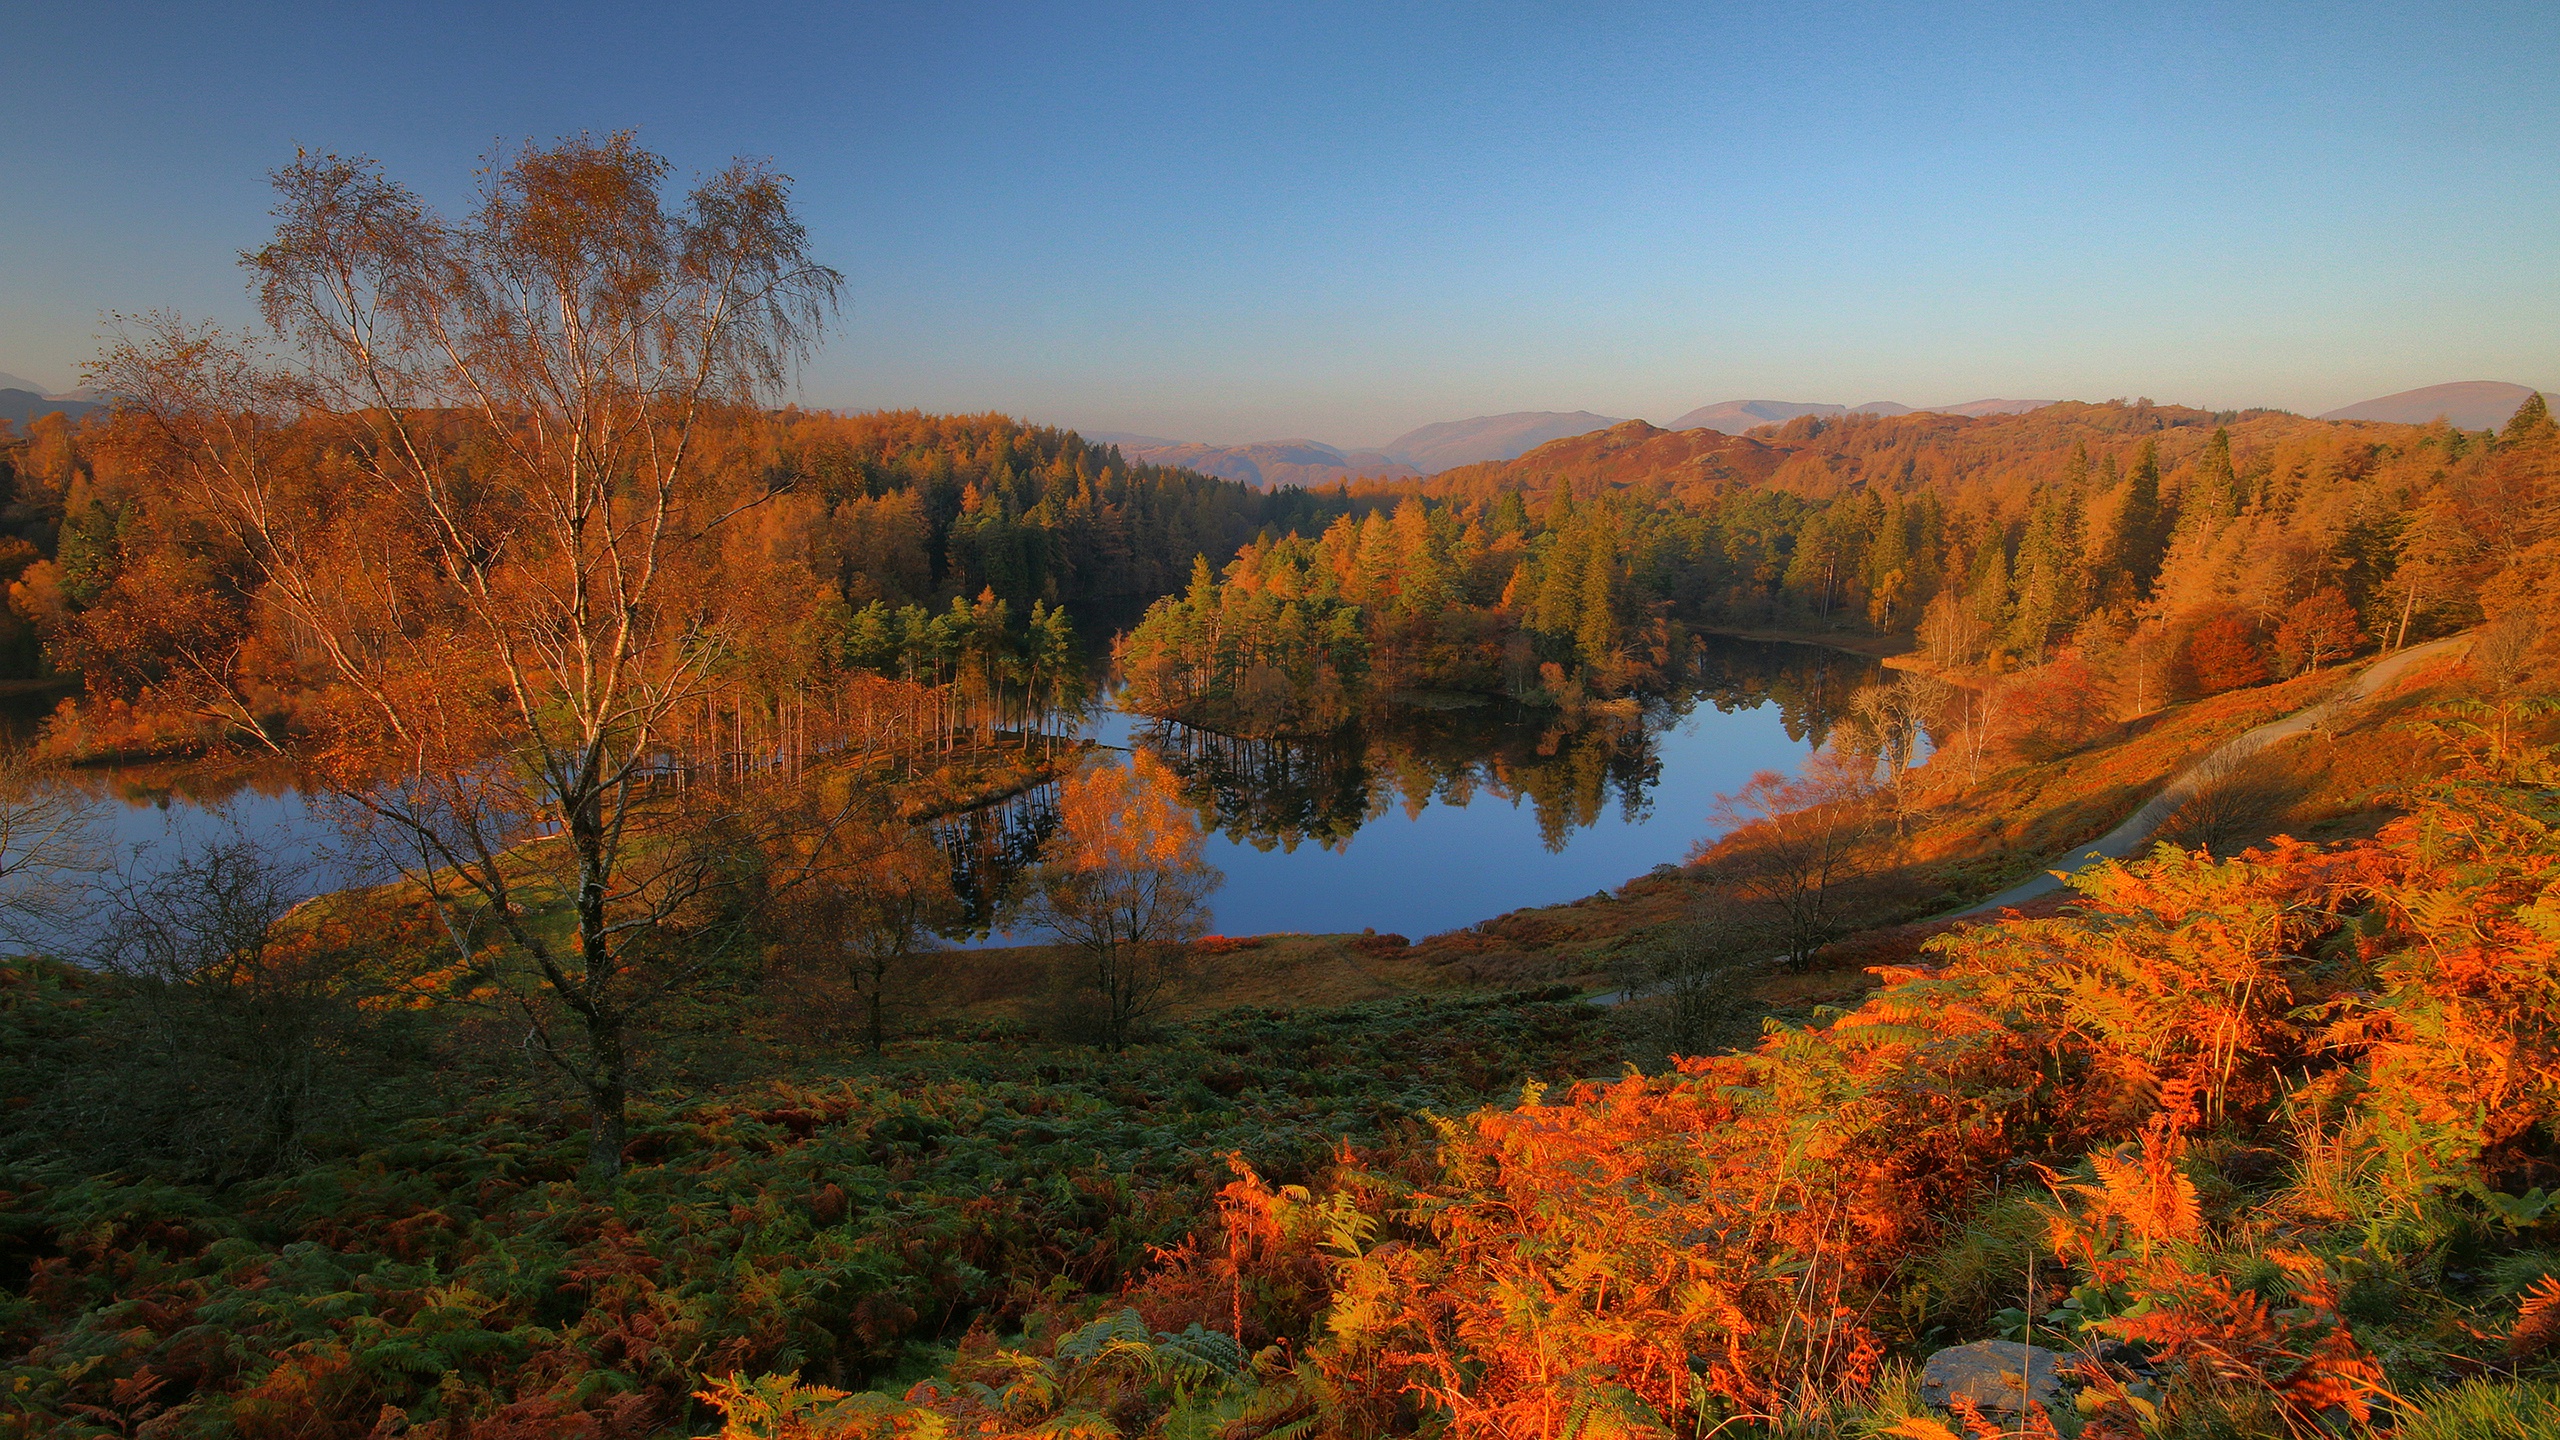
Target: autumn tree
x=510 y=592
x=1792 y=845
x=1124 y=884
x=870 y=898
x=2320 y=627
x=2222 y=655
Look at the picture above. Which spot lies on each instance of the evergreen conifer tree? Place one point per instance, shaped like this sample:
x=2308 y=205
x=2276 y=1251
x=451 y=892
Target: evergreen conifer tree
x=2532 y=419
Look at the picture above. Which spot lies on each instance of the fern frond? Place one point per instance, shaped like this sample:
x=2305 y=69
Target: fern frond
x=2538 y=1324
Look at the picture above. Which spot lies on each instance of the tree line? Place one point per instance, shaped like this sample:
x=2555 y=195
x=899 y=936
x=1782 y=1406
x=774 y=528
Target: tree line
x=2182 y=552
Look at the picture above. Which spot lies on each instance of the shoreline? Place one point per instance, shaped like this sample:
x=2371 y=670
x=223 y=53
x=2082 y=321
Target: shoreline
x=1872 y=647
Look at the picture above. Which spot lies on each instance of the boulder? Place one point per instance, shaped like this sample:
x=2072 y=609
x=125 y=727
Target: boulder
x=1994 y=1375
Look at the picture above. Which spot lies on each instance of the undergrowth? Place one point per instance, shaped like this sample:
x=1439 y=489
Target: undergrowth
x=456 y=1275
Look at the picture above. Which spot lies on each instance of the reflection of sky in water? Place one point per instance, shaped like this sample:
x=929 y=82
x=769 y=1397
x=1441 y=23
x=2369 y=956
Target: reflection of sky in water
x=1410 y=870
x=288 y=823
x=145 y=822
x=1450 y=865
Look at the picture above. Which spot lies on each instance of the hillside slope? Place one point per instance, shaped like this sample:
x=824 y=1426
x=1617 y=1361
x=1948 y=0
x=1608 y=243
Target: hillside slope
x=2468 y=404
x=1268 y=464
x=1451 y=443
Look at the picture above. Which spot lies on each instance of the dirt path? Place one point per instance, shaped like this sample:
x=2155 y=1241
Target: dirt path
x=2125 y=839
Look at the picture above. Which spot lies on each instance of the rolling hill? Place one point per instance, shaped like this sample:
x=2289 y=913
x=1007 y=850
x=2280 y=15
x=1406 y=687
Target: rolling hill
x=1733 y=417
x=1451 y=443
x=2468 y=404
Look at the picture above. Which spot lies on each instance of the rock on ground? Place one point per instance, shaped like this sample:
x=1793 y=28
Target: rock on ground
x=1995 y=1375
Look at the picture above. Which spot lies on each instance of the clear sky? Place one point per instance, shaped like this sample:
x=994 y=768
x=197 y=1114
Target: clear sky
x=1227 y=222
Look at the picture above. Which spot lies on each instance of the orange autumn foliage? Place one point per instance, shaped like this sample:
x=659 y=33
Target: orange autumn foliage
x=1722 y=1240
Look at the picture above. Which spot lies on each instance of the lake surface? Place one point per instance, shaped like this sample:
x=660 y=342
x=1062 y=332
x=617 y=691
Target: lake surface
x=1446 y=816
x=1450 y=812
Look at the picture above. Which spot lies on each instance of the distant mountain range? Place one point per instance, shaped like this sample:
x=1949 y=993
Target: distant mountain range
x=1453 y=443
x=1267 y=464
x=19 y=405
x=22 y=400
x=1732 y=417
x=1426 y=451
x=2467 y=404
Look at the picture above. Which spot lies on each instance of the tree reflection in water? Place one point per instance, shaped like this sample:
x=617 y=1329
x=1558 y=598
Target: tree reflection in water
x=991 y=848
x=1570 y=768
x=1266 y=794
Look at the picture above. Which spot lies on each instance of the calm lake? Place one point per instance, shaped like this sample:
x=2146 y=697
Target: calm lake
x=1452 y=811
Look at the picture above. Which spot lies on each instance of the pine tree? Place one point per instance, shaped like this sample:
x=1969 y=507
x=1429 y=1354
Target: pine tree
x=2136 y=543
x=1889 y=566
x=1596 y=633
x=1987 y=590
x=2531 y=420
x=2052 y=587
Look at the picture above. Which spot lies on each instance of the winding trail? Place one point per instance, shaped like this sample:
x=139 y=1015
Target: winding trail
x=2121 y=842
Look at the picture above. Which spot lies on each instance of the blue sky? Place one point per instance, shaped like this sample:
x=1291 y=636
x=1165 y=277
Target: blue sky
x=1235 y=222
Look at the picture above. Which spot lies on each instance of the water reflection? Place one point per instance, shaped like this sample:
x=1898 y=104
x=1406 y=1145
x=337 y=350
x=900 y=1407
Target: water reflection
x=990 y=849
x=1286 y=793
x=1448 y=812
x=1572 y=770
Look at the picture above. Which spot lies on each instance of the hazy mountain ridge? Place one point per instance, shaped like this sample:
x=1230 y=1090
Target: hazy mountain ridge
x=1267 y=464
x=1431 y=449
x=2468 y=404
x=1736 y=416
x=18 y=406
x=1427 y=450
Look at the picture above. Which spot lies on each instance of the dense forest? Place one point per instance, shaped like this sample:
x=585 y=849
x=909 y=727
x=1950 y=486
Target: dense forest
x=2177 y=551
x=2181 y=551
x=945 y=551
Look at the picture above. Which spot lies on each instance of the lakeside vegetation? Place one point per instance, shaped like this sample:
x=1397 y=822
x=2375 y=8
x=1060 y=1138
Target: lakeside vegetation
x=2153 y=550
x=642 y=1100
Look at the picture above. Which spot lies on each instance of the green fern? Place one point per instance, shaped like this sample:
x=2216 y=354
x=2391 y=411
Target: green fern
x=1612 y=1412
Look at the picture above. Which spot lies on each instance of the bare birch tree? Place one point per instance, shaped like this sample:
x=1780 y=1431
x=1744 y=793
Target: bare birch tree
x=510 y=590
x=1889 y=723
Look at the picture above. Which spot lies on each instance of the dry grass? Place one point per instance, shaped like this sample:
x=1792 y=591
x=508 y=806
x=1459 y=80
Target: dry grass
x=1023 y=984
x=2045 y=807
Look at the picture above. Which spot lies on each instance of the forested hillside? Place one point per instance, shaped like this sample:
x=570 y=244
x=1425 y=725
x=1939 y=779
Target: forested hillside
x=899 y=544
x=1570 y=572
x=2181 y=552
